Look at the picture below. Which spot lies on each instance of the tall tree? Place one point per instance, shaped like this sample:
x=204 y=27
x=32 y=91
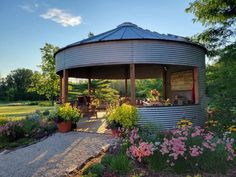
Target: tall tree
x=17 y=83
x=46 y=82
x=219 y=18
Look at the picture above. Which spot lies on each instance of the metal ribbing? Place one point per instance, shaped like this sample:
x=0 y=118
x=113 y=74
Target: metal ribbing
x=131 y=51
x=167 y=117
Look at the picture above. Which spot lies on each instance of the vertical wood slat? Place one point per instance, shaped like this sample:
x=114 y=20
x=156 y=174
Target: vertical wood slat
x=126 y=88
x=60 y=97
x=196 y=85
x=164 y=83
x=89 y=86
x=132 y=83
x=65 y=86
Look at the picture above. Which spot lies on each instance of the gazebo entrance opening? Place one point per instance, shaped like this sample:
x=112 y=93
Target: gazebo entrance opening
x=180 y=83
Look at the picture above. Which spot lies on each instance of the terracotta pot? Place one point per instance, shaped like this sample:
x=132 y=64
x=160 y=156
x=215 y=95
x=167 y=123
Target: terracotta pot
x=115 y=132
x=64 y=127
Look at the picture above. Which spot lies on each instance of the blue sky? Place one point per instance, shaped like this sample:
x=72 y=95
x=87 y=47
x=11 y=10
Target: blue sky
x=26 y=25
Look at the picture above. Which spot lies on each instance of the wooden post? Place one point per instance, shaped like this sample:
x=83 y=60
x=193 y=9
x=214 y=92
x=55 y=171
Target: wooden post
x=164 y=83
x=132 y=83
x=126 y=88
x=196 y=85
x=60 y=97
x=65 y=86
x=89 y=86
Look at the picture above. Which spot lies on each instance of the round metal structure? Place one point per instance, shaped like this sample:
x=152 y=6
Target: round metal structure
x=109 y=56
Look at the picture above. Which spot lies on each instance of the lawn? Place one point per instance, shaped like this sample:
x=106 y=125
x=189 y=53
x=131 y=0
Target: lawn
x=19 y=111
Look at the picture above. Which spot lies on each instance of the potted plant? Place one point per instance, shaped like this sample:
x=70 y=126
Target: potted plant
x=65 y=116
x=114 y=126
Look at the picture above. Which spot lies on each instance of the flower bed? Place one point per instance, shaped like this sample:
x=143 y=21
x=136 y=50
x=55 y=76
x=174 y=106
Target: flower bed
x=185 y=150
x=26 y=131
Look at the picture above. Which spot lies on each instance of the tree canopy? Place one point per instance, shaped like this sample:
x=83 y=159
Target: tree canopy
x=14 y=86
x=219 y=17
x=46 y=82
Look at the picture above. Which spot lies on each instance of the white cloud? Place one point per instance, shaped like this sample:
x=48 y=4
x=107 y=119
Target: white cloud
x=29 y=7
x=62 y=17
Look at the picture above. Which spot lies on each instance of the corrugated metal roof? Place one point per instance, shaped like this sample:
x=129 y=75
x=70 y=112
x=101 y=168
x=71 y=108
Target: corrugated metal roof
x=127 y=31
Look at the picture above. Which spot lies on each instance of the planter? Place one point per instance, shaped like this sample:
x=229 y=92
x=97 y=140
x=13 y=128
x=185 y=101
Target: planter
x=64 y=127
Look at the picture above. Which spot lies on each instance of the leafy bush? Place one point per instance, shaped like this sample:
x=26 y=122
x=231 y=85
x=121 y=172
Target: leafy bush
x=96 y=169
x=106 y=160
x=186 y=149
x=157 y=162
x=126 y=115
x=24 y=131
x=120 y=164
x=66 y=112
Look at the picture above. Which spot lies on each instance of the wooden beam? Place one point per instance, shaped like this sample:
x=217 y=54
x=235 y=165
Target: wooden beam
x=126 y=88
x=65 y=86
x=132 y=83
x=89 y=86
x=196 y=85
x=60 y=97
x=164 y=83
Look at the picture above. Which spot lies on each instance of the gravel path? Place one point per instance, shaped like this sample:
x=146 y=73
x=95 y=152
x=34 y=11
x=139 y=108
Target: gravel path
x=54 y=156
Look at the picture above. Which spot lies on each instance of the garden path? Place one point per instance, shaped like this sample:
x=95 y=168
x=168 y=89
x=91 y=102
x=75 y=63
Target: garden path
x=57 y=155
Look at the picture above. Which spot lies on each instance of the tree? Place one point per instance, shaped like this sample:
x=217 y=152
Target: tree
x=16 y=84
x=46 y=82
x=221 y=83
x=219 y=17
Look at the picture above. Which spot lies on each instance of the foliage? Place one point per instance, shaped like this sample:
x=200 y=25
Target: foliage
x=16 y=133
x=126 y=115
x=96 y=169
x=47 y=82
x=186 y=149
x=157 y=162
x=14 y=86
x=120 y=164
x=44 y=103
x=103 y=92
x=183 y=123
x=66 y=112
x=3 y=120
x=219 y=18
x=221 y=85
x=143 y=87
x=106 y=160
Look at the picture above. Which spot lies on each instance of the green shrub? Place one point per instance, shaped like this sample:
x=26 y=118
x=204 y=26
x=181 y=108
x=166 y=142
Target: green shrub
x=120 y=164
x=66 y=112
x=126 y=115
x=3 y=120
x=96 y=169
x=106 y=160
x=157 y=162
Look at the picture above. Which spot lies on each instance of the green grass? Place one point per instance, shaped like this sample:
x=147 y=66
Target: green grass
x=18 y=112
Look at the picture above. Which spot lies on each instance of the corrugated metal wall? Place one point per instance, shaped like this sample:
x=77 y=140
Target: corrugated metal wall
x=131 y=51
x=167 y=117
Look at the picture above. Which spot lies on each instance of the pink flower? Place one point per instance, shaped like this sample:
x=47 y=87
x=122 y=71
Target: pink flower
x=133 y=135
x=208 y=136
x=195 y=151
x=174 y=147
x=144 y=149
